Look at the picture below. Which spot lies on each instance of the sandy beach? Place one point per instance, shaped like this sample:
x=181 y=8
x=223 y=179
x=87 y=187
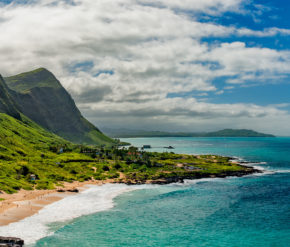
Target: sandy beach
x=25 y=203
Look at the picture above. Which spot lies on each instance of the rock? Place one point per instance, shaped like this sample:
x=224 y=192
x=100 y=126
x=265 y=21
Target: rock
x=73 y=190
x=11 y=242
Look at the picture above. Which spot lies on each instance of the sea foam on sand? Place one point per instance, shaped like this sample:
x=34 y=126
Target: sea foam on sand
x=89 y=201
x=92 y=200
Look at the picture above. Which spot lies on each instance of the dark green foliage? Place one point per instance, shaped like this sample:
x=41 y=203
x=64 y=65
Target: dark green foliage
x=106 y=168
x=30 y=158
x=41 y=97
x=7 y=105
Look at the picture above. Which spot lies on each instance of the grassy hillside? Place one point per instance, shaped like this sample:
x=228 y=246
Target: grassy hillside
x=27 y=149
x=41 y=97
x=24 y=82
x=22 y=143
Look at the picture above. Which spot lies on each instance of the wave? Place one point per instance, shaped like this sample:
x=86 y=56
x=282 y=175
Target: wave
x=92 y=200
x=187 y=182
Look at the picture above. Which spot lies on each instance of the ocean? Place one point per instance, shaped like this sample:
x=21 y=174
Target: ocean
x=252 y=211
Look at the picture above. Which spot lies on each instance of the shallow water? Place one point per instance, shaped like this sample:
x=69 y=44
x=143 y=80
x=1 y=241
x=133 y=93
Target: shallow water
x=248 y=211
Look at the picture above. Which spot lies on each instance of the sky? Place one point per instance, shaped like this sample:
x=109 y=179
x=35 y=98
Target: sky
x=166 y=65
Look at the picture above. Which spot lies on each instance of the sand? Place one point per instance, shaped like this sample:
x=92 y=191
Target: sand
x=24 y=203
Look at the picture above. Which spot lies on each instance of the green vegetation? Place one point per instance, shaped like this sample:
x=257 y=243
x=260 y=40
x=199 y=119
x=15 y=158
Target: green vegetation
x=123 y=133
x=33 y=158
x=7 y=105
x=41 y=97
x=24 y=82
x=37 y=110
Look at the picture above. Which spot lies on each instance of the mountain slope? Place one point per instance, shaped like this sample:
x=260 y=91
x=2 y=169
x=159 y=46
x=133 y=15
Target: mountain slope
x=22 y=144
x=7 y=105
x=26 y=149
x=42 y=98
x=22 y=137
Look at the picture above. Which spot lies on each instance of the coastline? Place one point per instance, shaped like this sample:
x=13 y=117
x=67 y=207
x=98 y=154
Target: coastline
x=28 y=214
x=23 y=204
x=94 y=197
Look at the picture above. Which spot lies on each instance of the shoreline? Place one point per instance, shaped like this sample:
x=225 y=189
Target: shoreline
x=26 y=212
x=24 y=204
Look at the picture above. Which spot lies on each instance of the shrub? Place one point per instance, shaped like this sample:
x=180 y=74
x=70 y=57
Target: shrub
x=106 y=168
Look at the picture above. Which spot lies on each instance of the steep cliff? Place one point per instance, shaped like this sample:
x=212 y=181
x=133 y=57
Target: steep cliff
x=7 y=104
x=42 y=98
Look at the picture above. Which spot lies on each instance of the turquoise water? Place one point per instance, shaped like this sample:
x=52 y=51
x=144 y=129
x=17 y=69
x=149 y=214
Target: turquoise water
x=249 y=211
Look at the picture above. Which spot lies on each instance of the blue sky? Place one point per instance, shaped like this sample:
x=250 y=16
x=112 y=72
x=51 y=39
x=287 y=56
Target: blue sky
x=277 y=92
x=159 y=64
x=264 y=14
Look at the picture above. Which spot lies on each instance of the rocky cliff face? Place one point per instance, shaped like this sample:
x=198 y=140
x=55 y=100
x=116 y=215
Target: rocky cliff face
x=42 y=98
x=7 y=104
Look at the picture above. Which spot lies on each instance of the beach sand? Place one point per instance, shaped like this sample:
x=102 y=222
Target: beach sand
x=25 y=203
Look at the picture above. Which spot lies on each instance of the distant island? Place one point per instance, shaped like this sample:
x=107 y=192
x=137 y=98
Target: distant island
x=125 y=133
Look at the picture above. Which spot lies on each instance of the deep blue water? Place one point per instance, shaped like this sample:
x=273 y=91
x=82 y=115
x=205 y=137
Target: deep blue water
x=237 y=212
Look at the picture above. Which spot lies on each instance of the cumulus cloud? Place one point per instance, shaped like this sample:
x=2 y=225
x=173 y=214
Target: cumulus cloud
x=121 y=59
x=213 y=7
x=249 y=64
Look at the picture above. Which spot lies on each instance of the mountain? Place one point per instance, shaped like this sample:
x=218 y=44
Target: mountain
x=42 y=98
x=237 y=133
x=22 y=144
x=7 y=104
x=20 y=138
x=124 y=133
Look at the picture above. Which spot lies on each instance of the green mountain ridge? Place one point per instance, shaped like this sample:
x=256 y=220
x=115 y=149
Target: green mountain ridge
x=124 y=133
x=7 y=105
x=26 y=81
x=41 y=97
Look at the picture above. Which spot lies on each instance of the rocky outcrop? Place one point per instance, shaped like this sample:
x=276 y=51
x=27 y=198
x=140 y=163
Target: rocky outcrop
x=11 y=242
x=196 y=175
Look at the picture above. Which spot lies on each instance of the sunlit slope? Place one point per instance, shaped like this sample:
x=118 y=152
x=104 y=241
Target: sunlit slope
x=24 y=138
x=23 y=145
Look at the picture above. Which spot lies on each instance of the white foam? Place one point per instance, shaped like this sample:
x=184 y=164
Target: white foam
x=92 y=200
x=283 y=171
x=267 y=171
x=201 y=180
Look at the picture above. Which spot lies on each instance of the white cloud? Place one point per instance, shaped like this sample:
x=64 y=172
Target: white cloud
x=249 y=64
x=150 y=49
x=205 y=6
x=267 y=32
